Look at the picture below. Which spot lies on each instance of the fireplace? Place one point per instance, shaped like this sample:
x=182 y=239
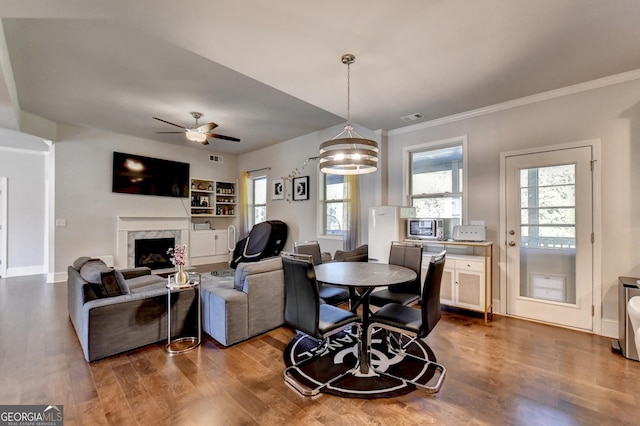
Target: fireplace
x=152 y=252
x=133 y=228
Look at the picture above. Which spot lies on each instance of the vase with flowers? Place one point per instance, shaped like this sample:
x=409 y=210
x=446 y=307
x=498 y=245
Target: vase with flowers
x=178 y=258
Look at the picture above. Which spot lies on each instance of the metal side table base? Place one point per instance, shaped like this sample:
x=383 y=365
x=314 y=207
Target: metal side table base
x=183 y=344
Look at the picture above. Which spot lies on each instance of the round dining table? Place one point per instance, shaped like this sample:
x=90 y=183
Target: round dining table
x=365 y=276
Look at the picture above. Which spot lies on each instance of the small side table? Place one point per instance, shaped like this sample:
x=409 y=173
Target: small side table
x=183 y=344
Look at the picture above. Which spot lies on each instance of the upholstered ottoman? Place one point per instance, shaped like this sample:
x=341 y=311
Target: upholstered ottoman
x=251 y=302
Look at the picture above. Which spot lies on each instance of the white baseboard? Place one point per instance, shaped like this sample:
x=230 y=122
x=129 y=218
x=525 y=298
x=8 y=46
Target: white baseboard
x=25 y=270
x=56 y=277
x=609 y=328
x=496 y=307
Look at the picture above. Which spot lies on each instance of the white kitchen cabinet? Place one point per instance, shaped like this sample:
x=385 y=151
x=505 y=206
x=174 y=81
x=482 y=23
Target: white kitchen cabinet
x=466 y=279
x=469 y=287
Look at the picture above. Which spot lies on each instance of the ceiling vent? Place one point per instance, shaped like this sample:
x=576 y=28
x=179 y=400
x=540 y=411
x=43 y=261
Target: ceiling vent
x=412 y=117
x=216 y=158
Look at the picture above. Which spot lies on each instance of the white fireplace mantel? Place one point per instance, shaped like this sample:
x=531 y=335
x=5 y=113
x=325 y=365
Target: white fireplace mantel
x=177 y=225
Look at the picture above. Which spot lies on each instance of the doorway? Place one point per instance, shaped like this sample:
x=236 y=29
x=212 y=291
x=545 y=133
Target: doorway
x=548 y=218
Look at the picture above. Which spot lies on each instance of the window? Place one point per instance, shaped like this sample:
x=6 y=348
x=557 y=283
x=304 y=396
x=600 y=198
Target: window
x=258 y=205
x=548 y=207
x=436 y=181
x=334 y=204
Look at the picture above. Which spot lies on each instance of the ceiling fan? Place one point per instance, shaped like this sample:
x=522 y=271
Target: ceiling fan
x=199 y=133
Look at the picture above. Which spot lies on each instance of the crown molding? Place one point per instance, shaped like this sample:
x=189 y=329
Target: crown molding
x=527 y=100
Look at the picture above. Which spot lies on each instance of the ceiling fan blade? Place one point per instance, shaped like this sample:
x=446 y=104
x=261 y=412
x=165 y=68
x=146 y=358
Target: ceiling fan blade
x=168 y=122
x=228 y=138
x=206 y=128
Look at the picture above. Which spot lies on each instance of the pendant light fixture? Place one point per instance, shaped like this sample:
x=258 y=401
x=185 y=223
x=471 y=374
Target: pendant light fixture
x=348 y=153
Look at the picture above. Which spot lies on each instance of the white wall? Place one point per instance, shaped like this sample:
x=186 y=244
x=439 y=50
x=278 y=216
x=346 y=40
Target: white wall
x=611 y=114
x=84 y=198
x=301 y=216
x=83 y=178
x=26 y=196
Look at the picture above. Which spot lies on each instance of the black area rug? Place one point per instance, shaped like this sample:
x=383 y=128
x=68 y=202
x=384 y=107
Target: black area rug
x=341 y=356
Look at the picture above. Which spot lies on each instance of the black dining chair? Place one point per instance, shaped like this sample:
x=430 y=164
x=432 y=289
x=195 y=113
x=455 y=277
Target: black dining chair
x=408 y=255
x=305 y=312
x=331 y=294
x=415 y=323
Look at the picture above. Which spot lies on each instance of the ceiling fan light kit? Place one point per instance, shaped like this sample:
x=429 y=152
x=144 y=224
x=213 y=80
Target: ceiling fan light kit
x=196 y=136
x=199 y=133
x=353 y=154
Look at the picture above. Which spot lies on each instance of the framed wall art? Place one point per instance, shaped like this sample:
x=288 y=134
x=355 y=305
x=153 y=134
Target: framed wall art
x=301 y=188
x=277 y=189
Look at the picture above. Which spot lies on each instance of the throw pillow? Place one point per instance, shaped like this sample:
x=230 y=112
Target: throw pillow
x=110 y=285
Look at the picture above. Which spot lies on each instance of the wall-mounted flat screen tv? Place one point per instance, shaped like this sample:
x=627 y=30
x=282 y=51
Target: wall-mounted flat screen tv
x=135 y=174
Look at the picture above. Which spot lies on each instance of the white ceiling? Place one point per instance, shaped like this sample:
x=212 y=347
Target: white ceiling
x=268 y=71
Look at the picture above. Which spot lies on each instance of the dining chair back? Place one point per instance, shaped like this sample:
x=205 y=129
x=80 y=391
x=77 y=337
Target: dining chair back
x=408 y=255
x=305 y=312
x=430 y=301
x=415 y=323
x=309 y=247
x=331 y=294
x=302 y=296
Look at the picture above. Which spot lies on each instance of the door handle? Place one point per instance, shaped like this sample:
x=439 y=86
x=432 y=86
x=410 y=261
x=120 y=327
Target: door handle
x=512 y=243
x=512 y=232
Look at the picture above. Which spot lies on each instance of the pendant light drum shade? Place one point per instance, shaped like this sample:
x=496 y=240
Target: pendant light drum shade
x=349 y=156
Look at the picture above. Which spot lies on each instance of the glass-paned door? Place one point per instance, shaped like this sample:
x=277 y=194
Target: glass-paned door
x=549 y=226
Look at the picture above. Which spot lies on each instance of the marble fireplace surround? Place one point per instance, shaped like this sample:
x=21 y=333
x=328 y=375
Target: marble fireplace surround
x=131 y=228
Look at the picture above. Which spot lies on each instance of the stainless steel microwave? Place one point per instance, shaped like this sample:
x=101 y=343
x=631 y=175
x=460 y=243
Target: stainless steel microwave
x=425 y=229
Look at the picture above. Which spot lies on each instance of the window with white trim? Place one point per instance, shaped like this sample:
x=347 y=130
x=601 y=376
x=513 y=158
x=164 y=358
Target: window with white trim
x=258 y=205
x=333 y=202
x=436 y=181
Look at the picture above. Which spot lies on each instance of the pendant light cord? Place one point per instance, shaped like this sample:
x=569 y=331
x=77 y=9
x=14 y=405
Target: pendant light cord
x=349 y=93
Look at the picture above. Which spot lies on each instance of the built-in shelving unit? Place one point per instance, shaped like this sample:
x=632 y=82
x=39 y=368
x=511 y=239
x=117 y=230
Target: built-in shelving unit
x=211 y=198
x=213 y=207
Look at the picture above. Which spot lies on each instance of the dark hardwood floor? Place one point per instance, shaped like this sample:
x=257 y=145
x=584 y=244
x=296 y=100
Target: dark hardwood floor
x=509 y=372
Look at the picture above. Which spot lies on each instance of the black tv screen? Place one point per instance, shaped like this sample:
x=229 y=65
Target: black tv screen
x=135 y=174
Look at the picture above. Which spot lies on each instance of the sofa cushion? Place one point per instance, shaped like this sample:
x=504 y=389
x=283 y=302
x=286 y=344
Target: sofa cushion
x=245 y=269
x=138 y=284
x=92 y=270
x=79 y=262
x=360 y=254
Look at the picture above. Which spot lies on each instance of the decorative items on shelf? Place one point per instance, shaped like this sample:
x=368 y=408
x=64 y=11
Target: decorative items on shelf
x=221 y=204
x=225 y=188
x=199 y=201
x=225 y=210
